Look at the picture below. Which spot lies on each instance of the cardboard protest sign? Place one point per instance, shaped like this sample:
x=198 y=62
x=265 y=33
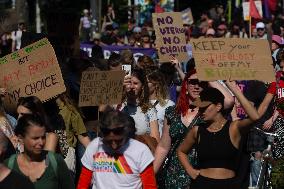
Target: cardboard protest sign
x=246 y=8
x=170 y=36
x=235 y=59
x=31 y=71
x=101 y=87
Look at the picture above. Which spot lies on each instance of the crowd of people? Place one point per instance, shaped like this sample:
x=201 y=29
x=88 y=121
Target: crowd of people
x=170 y=130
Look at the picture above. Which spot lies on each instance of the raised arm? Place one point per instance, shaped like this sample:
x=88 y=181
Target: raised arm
x=229 y=99
x=176 y=63
x=265 y=103
x=248 y=107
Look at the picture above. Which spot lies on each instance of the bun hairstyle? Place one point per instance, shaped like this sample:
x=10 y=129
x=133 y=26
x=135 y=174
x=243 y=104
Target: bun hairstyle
x=26 y=121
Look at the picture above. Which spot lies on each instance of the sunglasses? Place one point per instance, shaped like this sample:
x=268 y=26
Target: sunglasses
x=116 y=131
x=201 y=110
x=260 y=29
x=196 y=82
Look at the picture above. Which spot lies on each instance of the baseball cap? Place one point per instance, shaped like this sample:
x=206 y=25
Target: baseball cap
x=260 y=25
x=277 y=39
x=210 y=31
x=222 y=27
x=209 y=96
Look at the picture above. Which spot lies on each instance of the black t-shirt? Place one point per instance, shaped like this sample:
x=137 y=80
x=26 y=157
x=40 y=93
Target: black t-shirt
x=16 y=181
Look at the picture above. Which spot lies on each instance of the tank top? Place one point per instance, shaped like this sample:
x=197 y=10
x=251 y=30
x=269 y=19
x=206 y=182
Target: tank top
x=215 y=149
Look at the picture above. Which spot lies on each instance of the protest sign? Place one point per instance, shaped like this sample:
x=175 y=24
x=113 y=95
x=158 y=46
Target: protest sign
x=31 y=71
x=246 y=8
x=170 y=36
x=101 y=87
x=235 y=59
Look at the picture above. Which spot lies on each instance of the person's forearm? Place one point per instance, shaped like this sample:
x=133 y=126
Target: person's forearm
x=180 y=72
x=85 y=140
x=160 y=156
x=249 y=109
x=229 y=99
x=183 y=159
x=51 y=142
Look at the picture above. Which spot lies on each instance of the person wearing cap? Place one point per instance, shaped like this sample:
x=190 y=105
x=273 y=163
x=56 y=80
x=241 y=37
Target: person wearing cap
x=210 y=33
x=221 y=30
x=179 y=120
x=276 y=44
x=260 y=28
x=217 y=141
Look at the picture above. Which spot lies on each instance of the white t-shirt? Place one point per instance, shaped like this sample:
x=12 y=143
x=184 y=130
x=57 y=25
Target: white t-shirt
x=17 y=37
x=142 y=120
x=124 y=172
x=85 y=22
x=161 y=112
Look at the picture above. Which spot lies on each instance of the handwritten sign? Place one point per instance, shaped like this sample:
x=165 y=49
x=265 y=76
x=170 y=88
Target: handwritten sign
x=236 y=59
x=33 y=70
x=101 y=87
x=170 y=36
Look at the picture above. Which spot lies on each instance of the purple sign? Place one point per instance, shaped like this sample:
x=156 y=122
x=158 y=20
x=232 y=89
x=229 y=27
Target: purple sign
x=108 y=49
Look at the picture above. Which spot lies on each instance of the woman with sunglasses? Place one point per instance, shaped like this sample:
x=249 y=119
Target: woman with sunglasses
x=216 y=141
x=138 y=105
x=178 y=121
x=114 y=159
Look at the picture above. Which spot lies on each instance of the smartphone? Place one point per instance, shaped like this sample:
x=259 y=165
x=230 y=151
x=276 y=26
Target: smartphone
x=127 y=69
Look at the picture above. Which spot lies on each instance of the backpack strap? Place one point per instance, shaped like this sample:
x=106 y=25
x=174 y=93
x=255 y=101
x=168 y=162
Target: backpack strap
x=11 y=161
x=53 y=162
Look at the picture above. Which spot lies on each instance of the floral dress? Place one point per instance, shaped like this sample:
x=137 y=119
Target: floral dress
x=175 y=177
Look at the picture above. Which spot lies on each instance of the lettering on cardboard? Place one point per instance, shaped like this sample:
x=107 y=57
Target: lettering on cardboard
x=235 y=59
x=101 y=87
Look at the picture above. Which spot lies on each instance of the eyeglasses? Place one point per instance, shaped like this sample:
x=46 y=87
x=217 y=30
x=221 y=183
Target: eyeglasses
x=116 y=131
x=260 y=29
x=196 y=82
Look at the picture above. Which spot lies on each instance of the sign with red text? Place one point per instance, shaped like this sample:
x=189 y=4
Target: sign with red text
x=170 y=36
x=31 y=71
x=235 y=59
x=101 y=87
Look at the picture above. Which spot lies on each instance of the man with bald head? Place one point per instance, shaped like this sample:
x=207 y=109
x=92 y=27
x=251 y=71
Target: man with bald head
x=8 y=178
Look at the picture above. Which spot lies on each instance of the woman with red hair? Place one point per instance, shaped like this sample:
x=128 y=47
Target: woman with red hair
x=179 y=120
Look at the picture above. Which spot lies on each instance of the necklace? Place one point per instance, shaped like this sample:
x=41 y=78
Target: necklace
x=218 y=128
